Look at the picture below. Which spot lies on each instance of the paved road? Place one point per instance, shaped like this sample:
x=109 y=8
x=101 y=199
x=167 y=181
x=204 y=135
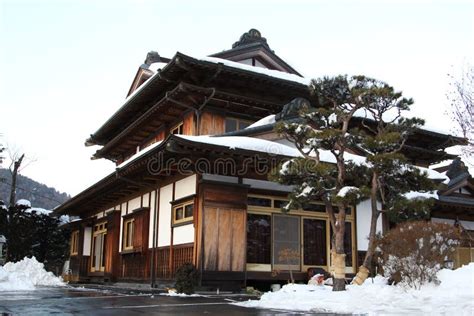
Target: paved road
x=74 y=301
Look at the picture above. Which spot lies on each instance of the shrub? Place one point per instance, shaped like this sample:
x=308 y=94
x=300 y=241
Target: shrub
x=186 y=279
x=413 y=252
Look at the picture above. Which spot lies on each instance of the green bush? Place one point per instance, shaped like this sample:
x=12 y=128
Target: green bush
x=186 y=279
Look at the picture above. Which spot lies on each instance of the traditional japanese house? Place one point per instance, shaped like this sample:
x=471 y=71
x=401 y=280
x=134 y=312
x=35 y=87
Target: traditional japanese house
x=179 y=195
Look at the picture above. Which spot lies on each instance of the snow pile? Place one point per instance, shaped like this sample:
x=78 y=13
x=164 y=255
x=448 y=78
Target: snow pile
x=455 y=296
x=26 y=275
x=172 y=292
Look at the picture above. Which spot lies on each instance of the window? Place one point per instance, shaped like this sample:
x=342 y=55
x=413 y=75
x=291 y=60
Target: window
x=74 y=242
x=258 y=238
x=177 y=130
x=183 y=213
x=128 y=231
x=99 y=246
x=234 y=124
x=257 y=201
x=314 y=242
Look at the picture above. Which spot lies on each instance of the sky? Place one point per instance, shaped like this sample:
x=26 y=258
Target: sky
x=66 y=65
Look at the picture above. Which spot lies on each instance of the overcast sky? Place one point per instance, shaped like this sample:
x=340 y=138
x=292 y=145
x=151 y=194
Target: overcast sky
x=66 y=66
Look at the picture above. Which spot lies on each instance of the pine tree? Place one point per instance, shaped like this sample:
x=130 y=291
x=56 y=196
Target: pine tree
x=322 y=132
x=383 y=135
x=30 y=233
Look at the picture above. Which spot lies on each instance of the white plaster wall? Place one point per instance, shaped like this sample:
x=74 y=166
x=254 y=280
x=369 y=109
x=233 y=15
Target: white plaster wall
x=152 y=219
x=135 y=203
x=259 y=64
x=183 y=234
x=185 y=187
x=363 y=215
x=146 y=200
x=164 y=222
x=86 y=248
x=465 y=224
x=99 y=215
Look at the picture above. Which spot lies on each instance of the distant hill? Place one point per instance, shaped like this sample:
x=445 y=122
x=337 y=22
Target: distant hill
x=37 y=193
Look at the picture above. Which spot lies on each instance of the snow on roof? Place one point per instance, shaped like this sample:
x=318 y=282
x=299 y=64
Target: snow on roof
x=264 y=121
x=263 y=71
x=138 y=154
x=23 y=202
x=247 y=143
x=415 y=195
x=155 y=66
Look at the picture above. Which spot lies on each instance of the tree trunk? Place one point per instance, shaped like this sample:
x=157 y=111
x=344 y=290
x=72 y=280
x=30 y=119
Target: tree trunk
x=10 y=227
x=16 y=166
x=364 y=269
x=338 y=256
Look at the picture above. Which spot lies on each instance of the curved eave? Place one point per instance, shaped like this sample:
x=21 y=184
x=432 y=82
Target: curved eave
x=169 y=77
x=173 y=146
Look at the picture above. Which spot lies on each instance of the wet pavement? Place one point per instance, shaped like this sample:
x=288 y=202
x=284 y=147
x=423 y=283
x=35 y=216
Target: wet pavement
x=77 y=301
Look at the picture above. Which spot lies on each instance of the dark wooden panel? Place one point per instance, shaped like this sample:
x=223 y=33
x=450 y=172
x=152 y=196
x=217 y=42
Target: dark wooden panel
x=211 y=123
x=210 y=238
x=188 y=124
x=238 y=240
x=224 y=247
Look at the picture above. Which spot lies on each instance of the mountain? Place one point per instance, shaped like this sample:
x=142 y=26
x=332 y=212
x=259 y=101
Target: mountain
x=37 y=193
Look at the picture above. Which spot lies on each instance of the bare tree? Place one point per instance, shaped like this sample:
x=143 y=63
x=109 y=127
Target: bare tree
x=460 y=96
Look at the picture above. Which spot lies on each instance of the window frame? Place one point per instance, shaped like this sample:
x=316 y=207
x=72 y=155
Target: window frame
x=269 y=210
x=184 y=219
x=127 y=235
x=99 y=229
x=238 y=121
x=74 y=247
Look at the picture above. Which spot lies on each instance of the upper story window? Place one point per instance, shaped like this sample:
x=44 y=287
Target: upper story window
x=183 y=212
x=74 y=242
x=177 y=130
x=235 y=124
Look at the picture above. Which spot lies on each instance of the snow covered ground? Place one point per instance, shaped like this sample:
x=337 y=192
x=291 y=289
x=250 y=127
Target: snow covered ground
x=454 y=296
x=26 y=275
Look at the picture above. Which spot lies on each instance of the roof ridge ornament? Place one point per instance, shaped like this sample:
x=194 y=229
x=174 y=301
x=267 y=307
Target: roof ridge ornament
x=252 y=36
x=152 y=57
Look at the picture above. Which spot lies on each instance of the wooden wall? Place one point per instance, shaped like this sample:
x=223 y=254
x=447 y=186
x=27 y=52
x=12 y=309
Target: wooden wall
x=135 y=264
x=188 y=124
x=223 y=229
x=112 y=245
x=165 y=266
x=211 y=123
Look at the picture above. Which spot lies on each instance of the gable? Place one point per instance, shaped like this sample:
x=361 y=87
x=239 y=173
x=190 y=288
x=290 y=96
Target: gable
x=252 y=49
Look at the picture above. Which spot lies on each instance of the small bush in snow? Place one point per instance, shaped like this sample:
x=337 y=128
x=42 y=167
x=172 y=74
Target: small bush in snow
x=186 y=279
x=413 y=252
